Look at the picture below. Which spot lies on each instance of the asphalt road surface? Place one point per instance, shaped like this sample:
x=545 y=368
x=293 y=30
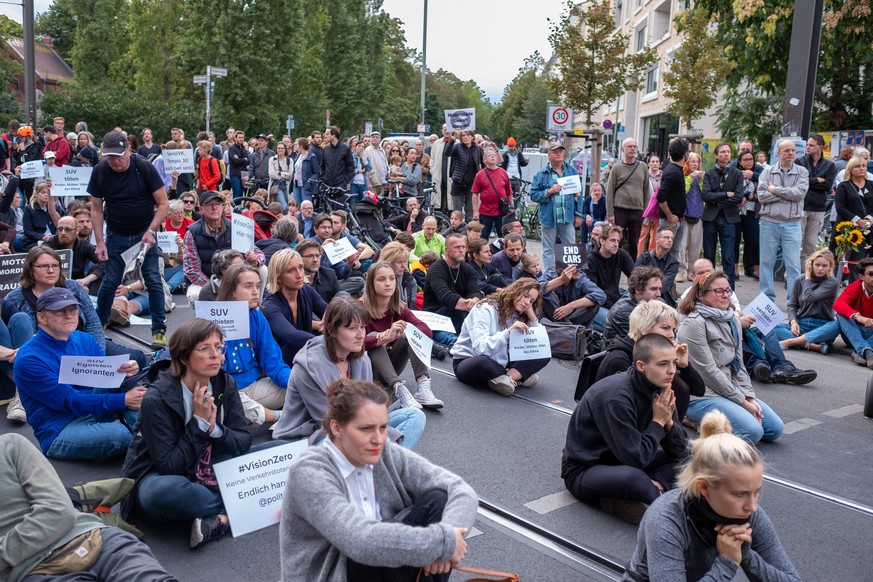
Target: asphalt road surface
x=817 y=489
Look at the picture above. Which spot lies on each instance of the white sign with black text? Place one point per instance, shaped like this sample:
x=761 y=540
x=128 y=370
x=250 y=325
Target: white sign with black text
x=252 y=486
x=231 y=316
x=34 y=169
x=167 y=242
x=766 y=313
x=92 y=371
x=242 y=233
x=421 y=344
x=531 y=345
x=181 y=161
x=460 y=119
x=338 y=250
x=570 y=184
x=435 y=321
x=69 y=180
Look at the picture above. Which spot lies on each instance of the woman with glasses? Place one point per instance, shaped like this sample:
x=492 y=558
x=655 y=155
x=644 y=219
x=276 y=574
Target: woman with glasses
x=191 y=206
x=191 y=418
x=178 y=223
x=713 y=333
x=40 y=217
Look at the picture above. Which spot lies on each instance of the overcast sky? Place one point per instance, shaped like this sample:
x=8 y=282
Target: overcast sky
x=459 y=31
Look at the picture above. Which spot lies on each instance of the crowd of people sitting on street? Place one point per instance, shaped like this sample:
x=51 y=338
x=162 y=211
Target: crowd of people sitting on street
x=329 y=343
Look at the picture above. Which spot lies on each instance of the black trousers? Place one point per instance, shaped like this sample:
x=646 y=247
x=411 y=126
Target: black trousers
x=476 y=371
x=624 y=482
x=632 y=223
x=426 y=511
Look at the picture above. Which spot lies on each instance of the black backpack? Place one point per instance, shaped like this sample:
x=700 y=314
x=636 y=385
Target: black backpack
x=101 y=170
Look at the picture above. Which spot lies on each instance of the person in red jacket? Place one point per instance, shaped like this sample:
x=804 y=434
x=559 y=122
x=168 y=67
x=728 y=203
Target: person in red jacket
x=208 y=168
x=854 y=309
x=56 y=142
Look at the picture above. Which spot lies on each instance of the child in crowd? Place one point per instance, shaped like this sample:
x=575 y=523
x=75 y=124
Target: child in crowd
x=293 y=208
x=530 y=266
x=457 y=221
x=395 y=172
x=419 y=268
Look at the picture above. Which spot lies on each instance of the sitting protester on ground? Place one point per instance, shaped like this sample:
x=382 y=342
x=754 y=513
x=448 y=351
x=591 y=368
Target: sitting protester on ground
x=396 y=255
x=659 y=318
x=72 y=422
x=87 y=268
x=571 y=296
x=316 y=275
x=811 y=324
x=481 y=353
x=255 y=363
x=451 y=288
x=456 y=224
x=710 y=526
x=284 y=235
x=854 y=309
x=428 y=239
x=665 y=261
x=644 y=284
x=40 y=527
x=530 y=267
x=338 y=353
x=508 y=261
x=474 y=229
x=420 y=266
x=339 y=219
x=350 y=280
x=192 y=412
x=414 y=520
x=386 y=343
x=221 y=261
x=411 y=221
x=479 y=257
x=511 y=225
x=174 y=270
x=625 y=442
x=713 y=331
x=291 y=307
x=605 y=267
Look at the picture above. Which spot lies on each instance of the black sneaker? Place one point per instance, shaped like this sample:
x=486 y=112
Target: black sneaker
x=794 y=376
x=206 y=529
x=438 y=351
x=761 y=373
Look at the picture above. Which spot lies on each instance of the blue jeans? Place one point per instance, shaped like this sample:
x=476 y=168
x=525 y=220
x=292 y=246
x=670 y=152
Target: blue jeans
x=282 y=196
x=91 y=437
x=174 y=276
x=549 y=236
x=444 y=337
x=774 y=355
x=14 y=336
x=859 y=336
x=743 y=423
x=720 y=228
x=788 y=237
x=236 y=186
x=816 y=330
x=357 y=190
x=116 y=244
x=174 y=497
x=489 y=223
x=409 y=421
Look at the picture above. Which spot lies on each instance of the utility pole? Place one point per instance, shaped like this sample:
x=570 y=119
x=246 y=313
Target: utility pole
x=802 y=67
x=29 y=64
x=423 y=64
x=209 y=84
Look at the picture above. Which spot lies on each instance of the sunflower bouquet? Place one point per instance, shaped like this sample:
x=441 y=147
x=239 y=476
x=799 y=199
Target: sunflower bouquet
x=848 y=238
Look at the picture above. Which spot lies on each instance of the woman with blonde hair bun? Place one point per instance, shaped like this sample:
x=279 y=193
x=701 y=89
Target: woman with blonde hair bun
x=711 y=525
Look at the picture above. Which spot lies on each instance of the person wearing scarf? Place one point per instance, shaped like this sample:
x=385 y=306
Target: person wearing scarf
x=712 y=331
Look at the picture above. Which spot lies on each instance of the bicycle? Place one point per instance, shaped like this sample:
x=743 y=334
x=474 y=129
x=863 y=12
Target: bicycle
x=330 y=198
x=527 y=212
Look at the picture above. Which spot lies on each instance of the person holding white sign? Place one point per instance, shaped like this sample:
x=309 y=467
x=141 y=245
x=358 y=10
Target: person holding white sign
x=481 y=353
x=713 y=333
x=72 y=422
x=466 y=161
x=405 y=514
x=40 y=217
x=339 y=353
x=255 y=363
x=191 y=418
x=386 y=343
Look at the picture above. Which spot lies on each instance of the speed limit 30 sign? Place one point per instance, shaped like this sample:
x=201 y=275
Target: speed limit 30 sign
x=559 y=118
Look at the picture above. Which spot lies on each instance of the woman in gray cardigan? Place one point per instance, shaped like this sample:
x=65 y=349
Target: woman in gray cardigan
x=359 y=508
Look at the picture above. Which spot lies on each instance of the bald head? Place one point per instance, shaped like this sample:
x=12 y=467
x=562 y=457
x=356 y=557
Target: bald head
x=701 y=266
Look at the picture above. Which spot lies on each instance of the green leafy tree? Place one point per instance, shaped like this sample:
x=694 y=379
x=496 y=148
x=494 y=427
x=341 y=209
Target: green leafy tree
x=523 y=109
x=9 y=107
x=100 y=39
x=60 y=23
x=155 y=26
x=697 y=73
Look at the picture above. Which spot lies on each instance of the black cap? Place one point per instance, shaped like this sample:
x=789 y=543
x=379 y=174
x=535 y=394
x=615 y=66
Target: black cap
x=115 y=144
x=208 y=197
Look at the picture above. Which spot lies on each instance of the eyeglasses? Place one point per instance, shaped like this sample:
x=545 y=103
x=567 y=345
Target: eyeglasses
x=395 y=151
x=312 y=256
x=218 y=349
x=187 y=202
x=66 y=229
x=868 y=274
x=721 y=292
x=47 y=267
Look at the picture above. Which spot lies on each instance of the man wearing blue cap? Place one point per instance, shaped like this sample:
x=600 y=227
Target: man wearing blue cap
x=71 y=422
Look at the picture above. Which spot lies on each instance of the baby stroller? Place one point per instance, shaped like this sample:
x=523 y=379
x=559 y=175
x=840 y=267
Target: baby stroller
x=369 y=217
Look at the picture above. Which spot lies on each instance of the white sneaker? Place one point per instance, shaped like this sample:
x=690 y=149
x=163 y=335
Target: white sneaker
x=502 y=384
x=425 y=397
x=531 y=381
x=405 y=398
x=15 y=411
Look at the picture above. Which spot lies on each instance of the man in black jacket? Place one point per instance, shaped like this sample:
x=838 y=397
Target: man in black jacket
x=644 y=284
x=822 y=172
x=411 y=221
x=605 y=268
x=671 y=194
x=238 y=158
x=322 y=278
x=337 y=164
x=83 y=254
x=722 y=197
x=625 y=442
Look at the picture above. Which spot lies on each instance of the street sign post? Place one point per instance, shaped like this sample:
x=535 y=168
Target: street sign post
x=209 y=86
x=219 y=72
x=559 y=118
x=607 y=124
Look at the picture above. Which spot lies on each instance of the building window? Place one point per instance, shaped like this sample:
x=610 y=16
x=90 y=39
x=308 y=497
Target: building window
x=661 y=22
x=639 y=4
x=619 y=4
x=656 y=132
x=641 y=37
x=652 y=80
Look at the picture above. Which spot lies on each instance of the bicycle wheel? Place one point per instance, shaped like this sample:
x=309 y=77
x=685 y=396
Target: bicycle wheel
x=443 y=222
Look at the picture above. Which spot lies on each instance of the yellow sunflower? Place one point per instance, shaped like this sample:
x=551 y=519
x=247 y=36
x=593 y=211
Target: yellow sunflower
x=856 y=238
x=840 y=239
x=844 y=225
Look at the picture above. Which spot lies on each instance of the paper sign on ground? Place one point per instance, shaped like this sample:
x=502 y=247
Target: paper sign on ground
x=339 y=250
x=461 y=119
x=532 y=345
x=34 y=169
x=181 y=161
x=167 y=242
x=570 y=185
x=69 y=180
x=566 y=255
x=231 y=316
x=91 y=371
x=435 y=321
x=137 y=320
x=766 y=313
x=242 y=233
x=252 y=486
x=420 y=344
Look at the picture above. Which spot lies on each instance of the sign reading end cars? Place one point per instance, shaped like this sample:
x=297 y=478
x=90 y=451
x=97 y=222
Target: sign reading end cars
x=10 y=269
x=559 y=118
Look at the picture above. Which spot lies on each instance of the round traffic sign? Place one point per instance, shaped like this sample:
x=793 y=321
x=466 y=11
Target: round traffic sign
x=607 y=123
x=560 y=116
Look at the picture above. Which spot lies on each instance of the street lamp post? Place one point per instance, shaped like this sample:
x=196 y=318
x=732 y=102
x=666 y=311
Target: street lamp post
x=423 y=63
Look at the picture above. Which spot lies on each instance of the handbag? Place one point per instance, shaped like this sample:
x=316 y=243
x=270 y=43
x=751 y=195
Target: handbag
x=502 y=202
x=568 y=340
x=495 y=575
x=652 y=212
x=77 y=555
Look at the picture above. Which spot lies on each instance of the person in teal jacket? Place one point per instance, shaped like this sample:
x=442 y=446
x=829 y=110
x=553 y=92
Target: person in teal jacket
x=560 y=214
x=255 y=363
